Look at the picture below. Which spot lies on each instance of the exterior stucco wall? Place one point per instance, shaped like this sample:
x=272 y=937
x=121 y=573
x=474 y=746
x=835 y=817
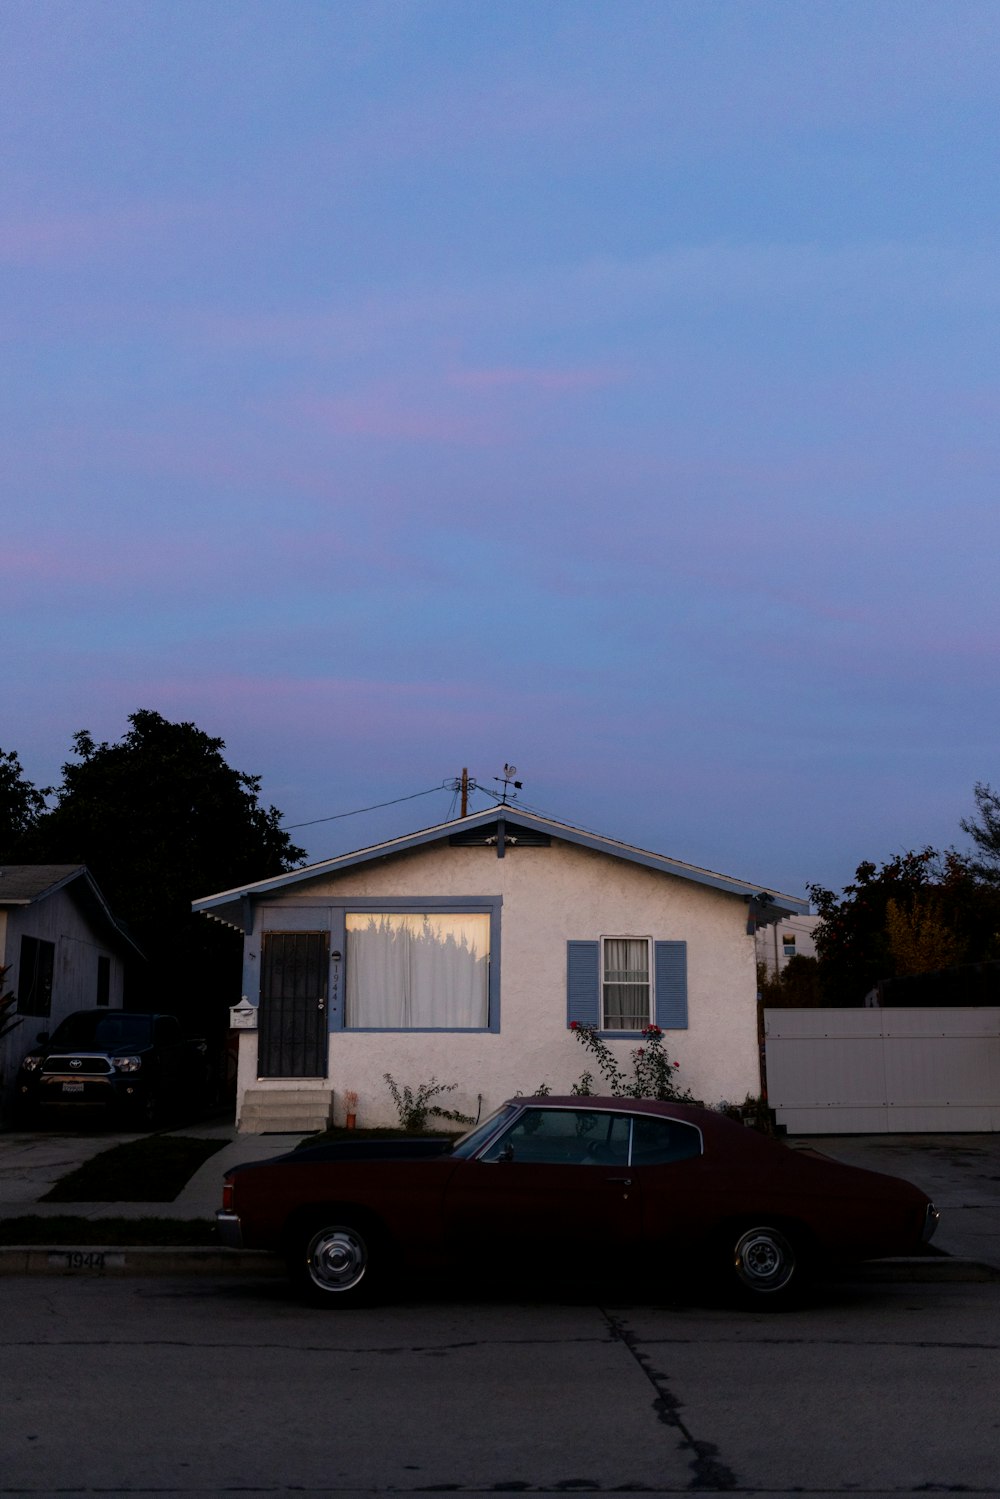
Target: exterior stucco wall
x=57 y=919
x=550 y=896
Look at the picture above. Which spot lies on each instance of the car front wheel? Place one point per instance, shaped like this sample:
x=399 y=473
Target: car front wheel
x=765 y=1265
x=336 y=1263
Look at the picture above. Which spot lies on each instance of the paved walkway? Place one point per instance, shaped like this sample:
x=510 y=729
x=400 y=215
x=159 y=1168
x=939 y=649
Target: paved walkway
x=31 y=1162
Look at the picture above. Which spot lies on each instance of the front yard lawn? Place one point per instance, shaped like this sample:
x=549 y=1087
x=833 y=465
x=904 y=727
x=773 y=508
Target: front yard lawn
x=152 y=1170
x=158 y=1232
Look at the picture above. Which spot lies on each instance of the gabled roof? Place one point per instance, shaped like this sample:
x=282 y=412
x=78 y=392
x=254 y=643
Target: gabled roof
x=20 y=884
x=24 y=884
x=229 y=905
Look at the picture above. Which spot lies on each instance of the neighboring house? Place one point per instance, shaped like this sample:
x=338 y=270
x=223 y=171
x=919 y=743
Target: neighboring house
x=792 y=937
x=463 y=952
x=62 y=948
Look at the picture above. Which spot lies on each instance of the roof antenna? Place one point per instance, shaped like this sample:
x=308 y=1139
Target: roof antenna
x=507 y=780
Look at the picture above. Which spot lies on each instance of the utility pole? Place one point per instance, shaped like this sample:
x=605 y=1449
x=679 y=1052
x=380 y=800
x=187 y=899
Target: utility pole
x=465 y=790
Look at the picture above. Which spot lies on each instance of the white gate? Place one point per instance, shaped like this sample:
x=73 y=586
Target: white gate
x=843 y=1072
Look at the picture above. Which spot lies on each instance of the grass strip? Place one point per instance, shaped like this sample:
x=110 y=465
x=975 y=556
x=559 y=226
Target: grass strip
x=134 y=1232
x=152 y=1170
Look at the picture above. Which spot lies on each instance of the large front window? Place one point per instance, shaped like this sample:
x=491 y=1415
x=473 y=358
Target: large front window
x=626 y=985
x=419 y=971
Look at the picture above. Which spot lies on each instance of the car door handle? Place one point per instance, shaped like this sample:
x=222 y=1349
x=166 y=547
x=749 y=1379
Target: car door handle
x=622 y=1181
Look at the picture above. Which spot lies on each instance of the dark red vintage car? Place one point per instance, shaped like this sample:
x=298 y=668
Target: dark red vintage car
x=598 y=1188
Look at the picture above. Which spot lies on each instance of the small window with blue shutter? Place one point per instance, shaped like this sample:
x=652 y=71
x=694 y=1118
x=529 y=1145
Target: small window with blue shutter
x=622 y=984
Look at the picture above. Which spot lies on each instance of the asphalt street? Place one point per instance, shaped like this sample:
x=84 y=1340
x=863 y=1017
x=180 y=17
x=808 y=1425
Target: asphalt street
x=196 y=1388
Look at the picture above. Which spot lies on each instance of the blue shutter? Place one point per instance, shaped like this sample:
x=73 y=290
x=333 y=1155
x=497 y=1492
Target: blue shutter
x=583 y=982
x=670 y=969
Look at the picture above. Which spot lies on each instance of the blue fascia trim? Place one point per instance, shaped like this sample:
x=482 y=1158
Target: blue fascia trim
x=416 y=1030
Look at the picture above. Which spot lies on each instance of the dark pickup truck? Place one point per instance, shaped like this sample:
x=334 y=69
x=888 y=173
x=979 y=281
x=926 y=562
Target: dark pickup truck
x=137 y=1067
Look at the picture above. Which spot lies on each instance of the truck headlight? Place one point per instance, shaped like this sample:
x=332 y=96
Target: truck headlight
x=31 y=1064
x=127 y=1064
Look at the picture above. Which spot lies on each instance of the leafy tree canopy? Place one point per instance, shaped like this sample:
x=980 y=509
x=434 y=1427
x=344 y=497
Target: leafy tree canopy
x=920 y=911
x=160 y=818
x=21 y=805
x=984 y=831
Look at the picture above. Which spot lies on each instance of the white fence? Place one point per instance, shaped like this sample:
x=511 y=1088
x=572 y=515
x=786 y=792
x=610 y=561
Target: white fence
x=842 y=1072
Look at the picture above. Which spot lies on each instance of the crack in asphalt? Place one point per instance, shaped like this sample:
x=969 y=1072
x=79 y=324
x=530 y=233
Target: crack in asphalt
x=708 y=1470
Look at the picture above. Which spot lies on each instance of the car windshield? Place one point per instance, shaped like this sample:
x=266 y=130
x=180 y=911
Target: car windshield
x=109 y=1029
x=467 y=1144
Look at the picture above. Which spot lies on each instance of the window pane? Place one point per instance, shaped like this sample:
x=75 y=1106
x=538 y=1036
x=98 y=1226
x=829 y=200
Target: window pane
x=655 y=1141
x=420 y=971
x=565 y=1137
x=34 y=982
x=626 y=983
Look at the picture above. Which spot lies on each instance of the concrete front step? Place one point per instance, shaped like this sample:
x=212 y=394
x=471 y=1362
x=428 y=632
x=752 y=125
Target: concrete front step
x=285 y=1111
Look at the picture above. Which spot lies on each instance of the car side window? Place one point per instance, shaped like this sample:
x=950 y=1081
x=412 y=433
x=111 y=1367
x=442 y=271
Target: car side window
x=564 y=1137
x=658 y=1141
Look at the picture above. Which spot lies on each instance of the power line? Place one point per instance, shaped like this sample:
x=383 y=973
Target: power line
x=450 y=785
x=335 y=816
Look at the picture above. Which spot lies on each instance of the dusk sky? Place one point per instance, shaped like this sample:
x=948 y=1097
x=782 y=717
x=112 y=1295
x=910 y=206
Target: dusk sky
x=602 y=386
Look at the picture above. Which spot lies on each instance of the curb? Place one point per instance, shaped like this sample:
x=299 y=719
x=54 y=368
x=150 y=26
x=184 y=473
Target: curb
x=926 y=1271
x=123 y=1261
x=96 y=1259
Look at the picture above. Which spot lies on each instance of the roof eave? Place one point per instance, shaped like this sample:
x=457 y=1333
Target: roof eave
x=227 y=905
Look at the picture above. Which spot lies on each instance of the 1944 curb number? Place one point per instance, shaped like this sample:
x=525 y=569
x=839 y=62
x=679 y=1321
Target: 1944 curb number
x=85 y=1260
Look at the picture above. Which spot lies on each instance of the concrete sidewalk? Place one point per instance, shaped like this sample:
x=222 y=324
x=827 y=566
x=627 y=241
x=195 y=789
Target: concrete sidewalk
x=31 y=1162
x=960 y=1172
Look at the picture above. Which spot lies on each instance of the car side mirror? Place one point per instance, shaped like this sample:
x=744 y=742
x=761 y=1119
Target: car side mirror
x=507 y=1154
x=42 y=1037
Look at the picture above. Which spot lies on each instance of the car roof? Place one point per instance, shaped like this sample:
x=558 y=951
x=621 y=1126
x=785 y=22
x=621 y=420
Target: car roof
x=662 y=1108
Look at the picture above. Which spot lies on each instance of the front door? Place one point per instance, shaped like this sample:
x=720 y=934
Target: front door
x=292 y=1033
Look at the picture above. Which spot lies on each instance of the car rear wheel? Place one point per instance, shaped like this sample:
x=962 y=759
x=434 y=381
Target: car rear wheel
x=765 y=1265
x=337 y=1262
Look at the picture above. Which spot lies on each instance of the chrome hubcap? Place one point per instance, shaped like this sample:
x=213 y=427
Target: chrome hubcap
x=764 y=1260
x=337 y=1259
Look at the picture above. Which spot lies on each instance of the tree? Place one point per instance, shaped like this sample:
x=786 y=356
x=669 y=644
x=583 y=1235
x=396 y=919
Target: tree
x=985 y=833
x=921 y=911
x=160 y=818
x=920 y=941
x=797 y=986
x=21 y=805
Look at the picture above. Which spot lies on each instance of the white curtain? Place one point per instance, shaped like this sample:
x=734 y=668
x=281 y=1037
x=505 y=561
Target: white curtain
x=417 y=971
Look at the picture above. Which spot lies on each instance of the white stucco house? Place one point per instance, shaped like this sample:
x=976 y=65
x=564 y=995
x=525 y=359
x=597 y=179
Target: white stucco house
x=62 y=948
x=464 y=951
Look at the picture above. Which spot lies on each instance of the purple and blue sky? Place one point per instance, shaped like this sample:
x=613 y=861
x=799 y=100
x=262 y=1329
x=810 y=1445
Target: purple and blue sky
x=604 y=386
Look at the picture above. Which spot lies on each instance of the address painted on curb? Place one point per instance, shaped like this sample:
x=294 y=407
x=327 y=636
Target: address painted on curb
x=85 y=1260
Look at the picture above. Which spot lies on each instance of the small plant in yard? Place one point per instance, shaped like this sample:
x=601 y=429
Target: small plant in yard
x=653 y=1075
x=413 y=1105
